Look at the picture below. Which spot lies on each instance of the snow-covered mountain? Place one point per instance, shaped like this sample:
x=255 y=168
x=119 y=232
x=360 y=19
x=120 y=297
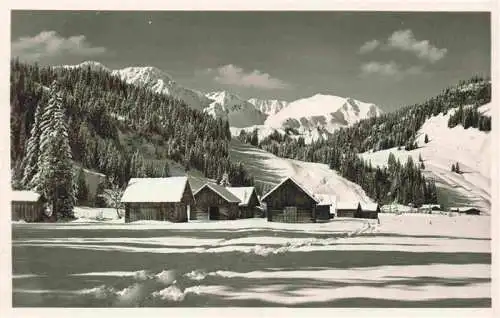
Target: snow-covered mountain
x=154 y=79
x=268 y=106
x=161 y=82
x=239 y=112
x=325 y=111
x=313 y=117
x=310 y=117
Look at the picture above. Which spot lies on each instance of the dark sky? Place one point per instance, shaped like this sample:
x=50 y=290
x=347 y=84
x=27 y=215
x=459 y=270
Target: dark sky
x=391 y=59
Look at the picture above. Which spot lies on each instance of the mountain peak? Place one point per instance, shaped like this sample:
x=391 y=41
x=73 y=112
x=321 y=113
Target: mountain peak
x=94 y=65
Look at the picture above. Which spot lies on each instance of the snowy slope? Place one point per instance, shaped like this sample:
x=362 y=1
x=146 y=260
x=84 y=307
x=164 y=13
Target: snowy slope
x=268 y=106
x=239 y=112
x=316 y=177
x=471 y=148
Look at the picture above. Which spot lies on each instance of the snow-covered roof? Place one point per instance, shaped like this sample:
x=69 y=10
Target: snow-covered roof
x=294 y=181
x=326 y=199
x=463 y=208
x=155 y=189
x=242 y=193
x=345 y=205
x=428 y=206
x=220 y=190
x=24 y=196
x=369 y=206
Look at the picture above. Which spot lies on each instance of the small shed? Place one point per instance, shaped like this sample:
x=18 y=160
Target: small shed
x=325 y=209
x=432 y=207
x=290 y=202
x=160 y=199
x=466 y=210
x=249 y=201
x=369 y=211
x=27 y=206
x=215 y=202
x=348 y=209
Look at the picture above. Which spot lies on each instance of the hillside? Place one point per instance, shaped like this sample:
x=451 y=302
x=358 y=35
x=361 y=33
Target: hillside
x=118 y=129
x=268 y=170
x=402 y=181
x=311 y=118
x=470 y=147
x=152 y=78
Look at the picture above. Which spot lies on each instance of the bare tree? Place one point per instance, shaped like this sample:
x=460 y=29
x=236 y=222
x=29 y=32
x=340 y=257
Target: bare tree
x=113 y=196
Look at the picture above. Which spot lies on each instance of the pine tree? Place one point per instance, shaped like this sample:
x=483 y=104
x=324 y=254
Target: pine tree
x=32 y=151
x=457 y=168
x=426 y=139
x=453 y=169
x=54 y=178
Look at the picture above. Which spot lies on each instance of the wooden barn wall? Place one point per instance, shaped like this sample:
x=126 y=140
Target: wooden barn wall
x=323 y=212
x=208 y=198
x=187 y=195
x=290 y=195
x=347 y=213
x=27 y=211
x=301 y=216
x=250 y=210
x=358 y=213
x=173 y=212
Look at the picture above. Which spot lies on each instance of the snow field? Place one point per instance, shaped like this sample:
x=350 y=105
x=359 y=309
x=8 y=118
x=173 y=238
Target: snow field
x=447 y=277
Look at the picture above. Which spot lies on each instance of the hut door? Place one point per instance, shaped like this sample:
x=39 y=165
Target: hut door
x=213 y=213
x=290 y=214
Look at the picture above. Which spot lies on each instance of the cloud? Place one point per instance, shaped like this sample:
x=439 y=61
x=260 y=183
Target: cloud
x=369 y=46
x=50 y=44
x=389 y=70
x=236 y=76
x=405 y=40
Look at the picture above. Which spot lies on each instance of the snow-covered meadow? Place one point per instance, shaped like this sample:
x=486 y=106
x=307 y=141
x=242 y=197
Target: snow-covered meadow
x=415 y=260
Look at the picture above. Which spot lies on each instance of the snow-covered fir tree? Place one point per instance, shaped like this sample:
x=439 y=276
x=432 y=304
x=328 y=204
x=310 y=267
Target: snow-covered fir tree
x=54 y=178
x=32 y=152
x=225 y=180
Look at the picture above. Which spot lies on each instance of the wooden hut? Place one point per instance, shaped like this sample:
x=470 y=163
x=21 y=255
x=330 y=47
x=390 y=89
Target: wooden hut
x=348 y=209
x=466 y=210
x=290 y=202
x=27 y=206
x=368 y=211
x=215 y=202
x=161 y=199
x=249 y=201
